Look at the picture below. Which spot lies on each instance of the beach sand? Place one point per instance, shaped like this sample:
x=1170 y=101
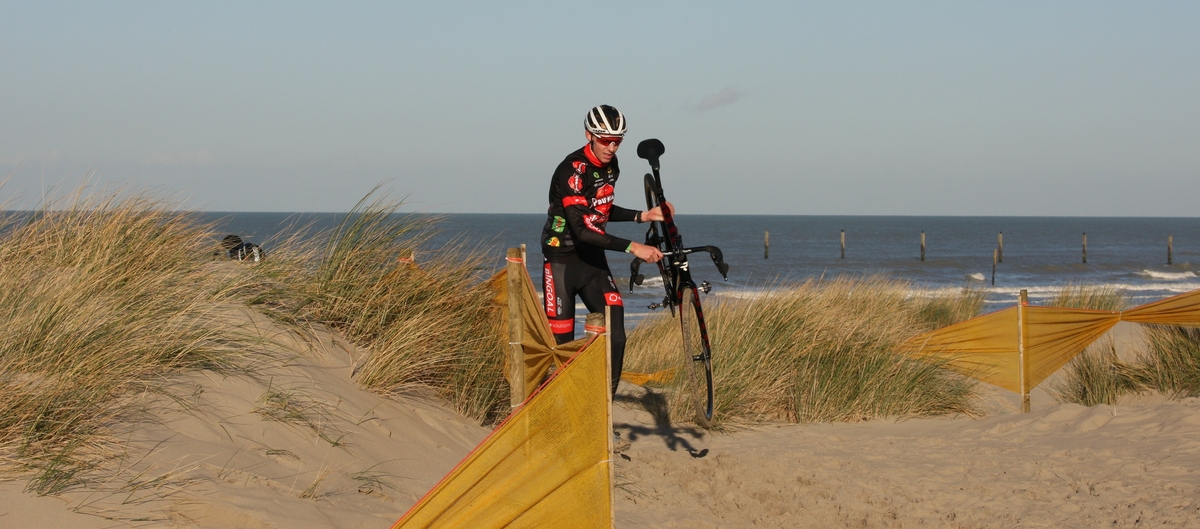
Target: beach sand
x=298 y=444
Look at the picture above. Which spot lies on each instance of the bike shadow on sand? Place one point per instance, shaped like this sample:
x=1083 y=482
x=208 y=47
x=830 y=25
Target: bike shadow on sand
x=655 y=403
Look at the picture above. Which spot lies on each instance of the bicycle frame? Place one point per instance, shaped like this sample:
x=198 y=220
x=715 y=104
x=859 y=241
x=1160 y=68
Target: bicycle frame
x=677 y=281
x=664 y=235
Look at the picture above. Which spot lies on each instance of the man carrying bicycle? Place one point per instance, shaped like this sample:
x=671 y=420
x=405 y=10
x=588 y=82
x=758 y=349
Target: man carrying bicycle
x=574 y=237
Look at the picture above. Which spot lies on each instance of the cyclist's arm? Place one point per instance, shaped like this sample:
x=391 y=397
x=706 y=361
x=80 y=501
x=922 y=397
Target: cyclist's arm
x=620 y=214
x=584 y=228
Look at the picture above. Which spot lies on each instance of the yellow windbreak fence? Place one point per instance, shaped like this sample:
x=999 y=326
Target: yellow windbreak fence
x=1019 y=347
x=537 y=342
x=548 y=465
x=540 y=350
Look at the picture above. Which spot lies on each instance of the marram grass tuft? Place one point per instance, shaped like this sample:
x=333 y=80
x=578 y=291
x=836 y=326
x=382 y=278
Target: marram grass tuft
x=819 y=351
x=427 y=319
x=96 y=297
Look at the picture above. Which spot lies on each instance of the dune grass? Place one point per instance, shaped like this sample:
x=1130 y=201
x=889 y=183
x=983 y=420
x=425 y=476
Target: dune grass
x=105 y=295
x=820 y=351
x=941 y=309
x=1170 y=365
x=429 y=324
x=97 y=296
x=1095 y=376
x=1094 y=297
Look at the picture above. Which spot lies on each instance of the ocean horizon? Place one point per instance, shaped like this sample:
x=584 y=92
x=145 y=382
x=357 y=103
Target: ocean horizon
x=1040 y=254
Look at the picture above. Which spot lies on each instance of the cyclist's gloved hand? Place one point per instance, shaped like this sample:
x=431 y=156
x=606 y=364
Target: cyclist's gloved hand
x=649 y=254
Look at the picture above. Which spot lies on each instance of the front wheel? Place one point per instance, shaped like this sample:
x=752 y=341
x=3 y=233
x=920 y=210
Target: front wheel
x=697 y=358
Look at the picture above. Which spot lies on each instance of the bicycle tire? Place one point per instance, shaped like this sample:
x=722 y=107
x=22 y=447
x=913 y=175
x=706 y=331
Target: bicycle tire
x=697 y=357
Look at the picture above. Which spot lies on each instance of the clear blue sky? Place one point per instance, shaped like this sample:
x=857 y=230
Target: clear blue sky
x=954 y=108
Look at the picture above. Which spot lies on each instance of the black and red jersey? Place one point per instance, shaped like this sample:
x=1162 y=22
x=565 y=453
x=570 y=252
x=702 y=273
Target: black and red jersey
x=581 y=204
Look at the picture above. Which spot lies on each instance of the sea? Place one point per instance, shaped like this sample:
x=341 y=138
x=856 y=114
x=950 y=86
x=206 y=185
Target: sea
x=1040 y=254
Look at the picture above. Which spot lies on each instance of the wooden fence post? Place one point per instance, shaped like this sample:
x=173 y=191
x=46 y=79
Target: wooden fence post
x=1000 y=248
x=766 y=244
x=1169 y=245
x=1022 y=360
x=611 y=435
x=1085 y=247
x=922 y=245
x=516 y=326
x=843 y=244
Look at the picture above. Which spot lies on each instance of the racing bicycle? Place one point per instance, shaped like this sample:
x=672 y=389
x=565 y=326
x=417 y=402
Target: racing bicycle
x=682 y=292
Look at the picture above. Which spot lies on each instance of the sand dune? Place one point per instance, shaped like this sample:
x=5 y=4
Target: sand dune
x=299 y=445
x=1134 y=465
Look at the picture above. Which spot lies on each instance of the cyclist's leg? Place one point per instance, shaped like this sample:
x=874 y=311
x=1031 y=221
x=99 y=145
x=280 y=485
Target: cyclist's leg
x=559 y=299
x=601 y=291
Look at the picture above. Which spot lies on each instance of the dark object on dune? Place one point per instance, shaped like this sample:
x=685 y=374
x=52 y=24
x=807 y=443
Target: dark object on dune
x=242 y=251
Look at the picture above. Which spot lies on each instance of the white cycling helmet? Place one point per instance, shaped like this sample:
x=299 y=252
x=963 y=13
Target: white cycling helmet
x=605 y=120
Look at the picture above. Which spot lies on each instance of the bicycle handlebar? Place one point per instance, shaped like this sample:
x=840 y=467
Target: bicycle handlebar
x=715 y=253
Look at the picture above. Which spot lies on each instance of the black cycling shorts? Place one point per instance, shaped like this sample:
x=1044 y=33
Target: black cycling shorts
x=561 y=282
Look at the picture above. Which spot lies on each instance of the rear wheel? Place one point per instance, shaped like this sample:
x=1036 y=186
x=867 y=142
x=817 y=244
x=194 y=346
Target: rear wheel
x=697 y=358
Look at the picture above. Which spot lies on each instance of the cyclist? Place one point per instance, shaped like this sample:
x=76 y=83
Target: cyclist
x=574 y=237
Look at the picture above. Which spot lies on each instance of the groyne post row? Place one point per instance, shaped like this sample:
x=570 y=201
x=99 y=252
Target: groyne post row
x=997 y=254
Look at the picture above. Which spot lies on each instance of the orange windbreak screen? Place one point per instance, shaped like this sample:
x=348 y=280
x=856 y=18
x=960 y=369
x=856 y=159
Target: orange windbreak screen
x=1183 y=309
x=538 y=343
x=987 y=348
x=984 y=348
x=548 y=465
x=541 y=351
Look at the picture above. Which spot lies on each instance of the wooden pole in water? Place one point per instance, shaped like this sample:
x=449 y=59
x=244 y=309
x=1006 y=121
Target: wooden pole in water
x=516 y=327
x=995 y=255
x=766 y=244
x=843 y=244
x=1169 y=245
x=1085 y=247
x=922 y=245
x=1022 y=360
x=1000 y=248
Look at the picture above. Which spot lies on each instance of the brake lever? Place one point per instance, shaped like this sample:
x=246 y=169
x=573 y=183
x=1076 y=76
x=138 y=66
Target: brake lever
x=718 y=260
x=634 y=277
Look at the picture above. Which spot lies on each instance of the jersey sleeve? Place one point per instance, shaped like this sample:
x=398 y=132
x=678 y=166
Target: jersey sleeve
x=620 y=214
x=586 y=228
x=585 y=223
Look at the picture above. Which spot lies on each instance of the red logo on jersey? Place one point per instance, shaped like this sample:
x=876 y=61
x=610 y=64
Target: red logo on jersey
x=576 y=183
x=580 y=167
x=613 y=299
x=595 y=222
x=604 y=199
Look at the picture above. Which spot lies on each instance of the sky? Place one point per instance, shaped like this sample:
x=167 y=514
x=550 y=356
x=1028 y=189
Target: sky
x=834 y=108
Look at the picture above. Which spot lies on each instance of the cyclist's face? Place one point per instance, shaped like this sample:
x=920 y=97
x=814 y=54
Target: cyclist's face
x=604 y=147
